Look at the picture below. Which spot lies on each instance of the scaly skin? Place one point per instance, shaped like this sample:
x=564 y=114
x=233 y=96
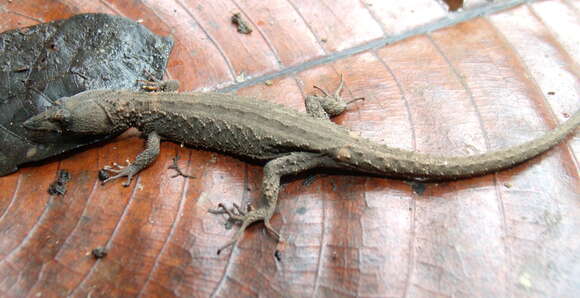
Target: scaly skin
x=287 y=141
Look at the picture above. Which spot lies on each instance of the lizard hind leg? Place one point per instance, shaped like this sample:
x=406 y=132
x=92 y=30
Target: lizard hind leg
x=290 y=164
x=327 y=106
x=143 y=160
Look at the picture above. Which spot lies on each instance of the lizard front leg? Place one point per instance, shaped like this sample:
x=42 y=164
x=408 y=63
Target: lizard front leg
x=160 y=86
x=327 y=106
x=156 y=85
x=143 y=160
x=293 y=163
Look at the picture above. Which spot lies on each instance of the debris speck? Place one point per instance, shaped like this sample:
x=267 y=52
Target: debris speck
x=99 y=253
x=241 y=77
x=525 y=280
x=242 y=26
x=213 y=158
x=58 y=187
x=418 y=187
x=103 y=175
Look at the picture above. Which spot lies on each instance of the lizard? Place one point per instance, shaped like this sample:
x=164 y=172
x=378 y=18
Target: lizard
x=285 y=141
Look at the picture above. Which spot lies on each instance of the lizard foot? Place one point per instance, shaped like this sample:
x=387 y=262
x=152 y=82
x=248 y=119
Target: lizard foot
x=336 y=96
x=245 y=218
x=121 y=171
x=156 y=85
x=329 y=105
x=177 y=169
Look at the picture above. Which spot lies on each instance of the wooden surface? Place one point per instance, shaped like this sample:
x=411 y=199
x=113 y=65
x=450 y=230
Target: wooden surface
x=482 y=84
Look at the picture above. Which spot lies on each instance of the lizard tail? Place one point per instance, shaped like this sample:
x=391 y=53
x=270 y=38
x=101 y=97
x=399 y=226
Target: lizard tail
x=412 y=165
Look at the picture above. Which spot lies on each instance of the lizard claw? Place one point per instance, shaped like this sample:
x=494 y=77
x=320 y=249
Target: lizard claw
x=245 y=218
x=235 y=213
x=116 y=168
x=120 y=171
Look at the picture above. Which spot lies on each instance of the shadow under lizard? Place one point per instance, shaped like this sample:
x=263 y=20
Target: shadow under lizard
x=286 y=141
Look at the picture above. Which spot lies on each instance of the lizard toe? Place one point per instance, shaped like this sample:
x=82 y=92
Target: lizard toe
x=128 y=172
x=247 y=218
x=234 y=214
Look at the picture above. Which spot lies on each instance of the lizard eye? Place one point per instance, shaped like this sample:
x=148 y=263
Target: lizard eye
x=61 y=117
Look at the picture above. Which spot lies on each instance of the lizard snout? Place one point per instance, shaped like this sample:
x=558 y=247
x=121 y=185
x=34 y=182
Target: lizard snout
x=40 y=123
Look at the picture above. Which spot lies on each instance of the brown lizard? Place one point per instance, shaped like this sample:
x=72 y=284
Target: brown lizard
x=286 y=141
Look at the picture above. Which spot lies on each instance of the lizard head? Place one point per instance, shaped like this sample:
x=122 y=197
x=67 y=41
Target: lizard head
x=78 y=115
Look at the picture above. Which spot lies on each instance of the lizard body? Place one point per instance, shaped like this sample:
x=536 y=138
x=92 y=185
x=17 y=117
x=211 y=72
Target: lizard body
x=286 y=141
